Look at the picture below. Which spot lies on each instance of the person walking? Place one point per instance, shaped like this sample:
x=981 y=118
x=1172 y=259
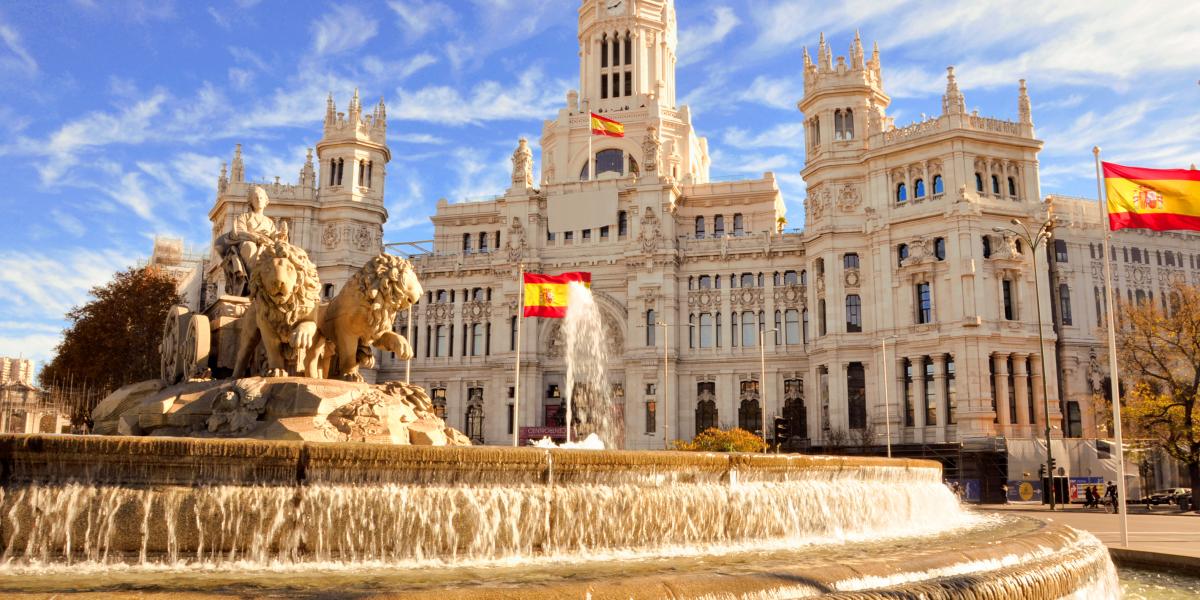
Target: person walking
x=1004 y=491
x=1111 y=494
x=1089 y=497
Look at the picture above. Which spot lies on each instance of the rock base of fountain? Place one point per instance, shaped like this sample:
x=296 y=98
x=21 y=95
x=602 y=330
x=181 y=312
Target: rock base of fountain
x=287 y=408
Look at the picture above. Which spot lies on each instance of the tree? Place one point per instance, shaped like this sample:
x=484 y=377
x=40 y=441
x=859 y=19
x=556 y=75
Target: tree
x=113 y=339
x=716 y=440
x=1159 y=354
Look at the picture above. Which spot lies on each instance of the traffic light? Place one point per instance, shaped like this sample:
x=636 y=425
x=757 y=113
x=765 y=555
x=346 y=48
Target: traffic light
x=1041 y=471
x=781 y=430
x=1053 y=463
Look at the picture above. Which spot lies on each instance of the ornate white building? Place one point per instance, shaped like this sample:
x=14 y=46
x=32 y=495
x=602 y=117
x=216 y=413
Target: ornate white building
x=903 y=243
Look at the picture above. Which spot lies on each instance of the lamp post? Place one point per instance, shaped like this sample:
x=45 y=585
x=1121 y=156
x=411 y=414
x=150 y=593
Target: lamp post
x=762 y=362
x=666 y=381
x=887 y=410
x=1035 y=241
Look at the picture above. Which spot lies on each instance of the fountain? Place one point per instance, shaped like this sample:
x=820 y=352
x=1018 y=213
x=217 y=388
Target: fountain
x=343 y=493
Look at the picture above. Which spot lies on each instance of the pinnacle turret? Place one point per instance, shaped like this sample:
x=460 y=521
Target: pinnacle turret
x=953 y=102
x=239 y=168
x=1024 y=108
x=807 y=59
x=856 y=52
x=824 y=56
x=330 y=111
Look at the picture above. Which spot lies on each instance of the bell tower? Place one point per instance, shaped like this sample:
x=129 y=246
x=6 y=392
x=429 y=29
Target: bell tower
x=352 y=154
x=627 y=53
x=843 y=103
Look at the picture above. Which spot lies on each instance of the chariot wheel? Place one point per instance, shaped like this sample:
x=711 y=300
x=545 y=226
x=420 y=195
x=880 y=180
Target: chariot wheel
x=194 y=346
x=169 y=366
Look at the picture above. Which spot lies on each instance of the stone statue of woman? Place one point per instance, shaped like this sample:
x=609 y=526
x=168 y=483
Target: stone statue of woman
x=239 y=249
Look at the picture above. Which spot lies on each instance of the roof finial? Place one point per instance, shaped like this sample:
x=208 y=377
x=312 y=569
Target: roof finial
x=953 y=102
x=856 y=52
x=1024 y=108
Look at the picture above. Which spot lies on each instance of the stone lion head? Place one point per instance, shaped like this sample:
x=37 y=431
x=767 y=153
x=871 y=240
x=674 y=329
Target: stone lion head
x=388 y=284
x=285 y=281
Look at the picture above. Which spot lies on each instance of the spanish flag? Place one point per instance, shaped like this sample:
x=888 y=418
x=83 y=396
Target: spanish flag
x=609 y=127
x=1158 y=199
x=546 y=295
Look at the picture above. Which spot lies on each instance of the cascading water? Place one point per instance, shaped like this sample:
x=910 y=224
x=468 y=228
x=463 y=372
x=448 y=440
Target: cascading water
x=588 y=395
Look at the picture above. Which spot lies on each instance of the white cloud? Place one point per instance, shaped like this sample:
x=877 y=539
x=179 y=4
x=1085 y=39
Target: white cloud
x=68 y=222
x=750 y=164
x=416 y=17
x=15 y=55
x=44 y=286
x=695 y=42
x=416 y=138
x=397 y=69
x=533 y=97
x=782 y=135
x=346 y=28
x=777 y=92
x=479 y=176
x=130 y=126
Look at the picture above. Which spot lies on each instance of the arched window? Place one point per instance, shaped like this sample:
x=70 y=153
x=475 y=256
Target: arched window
x=332 y=172
x=699 y=228
x=719 y=226
x=747 y=280
x=853 y=314
x=749 y=414
x=901 y=254
x=611 y=160
x=705 y=282
x=706 y=406
x=738 y=224
x=848 y=124
x=995 y=185
x=804 y=277
x=616 y=51
x=987 y=246
x=604 y=51
x=919 y=189
x=1012 y=187
x=978 y=182
x=1064 y=303
x=837 y=124
x=341 y=168
x=939 y=248
x=850 y=261
x=475 y=423
x=466 y=243
x=856 y=397
x=938 y=185
x=789 y=278
x=901 y=193
x=706 y=330
x=793 y=408
x=628 y=49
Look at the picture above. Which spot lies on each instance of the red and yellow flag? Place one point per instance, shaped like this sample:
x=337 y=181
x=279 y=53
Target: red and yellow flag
x=1158 y=199
x=546 y=295
x=609 y=127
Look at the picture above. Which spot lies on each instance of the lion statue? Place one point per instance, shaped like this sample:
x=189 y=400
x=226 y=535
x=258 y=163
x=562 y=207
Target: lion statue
x=283 y=313
x=362 y=313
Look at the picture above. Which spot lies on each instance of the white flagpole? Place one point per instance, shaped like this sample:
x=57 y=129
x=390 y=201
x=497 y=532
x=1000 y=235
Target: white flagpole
x=1112 y=356
x=516 y=433
x=590 y=135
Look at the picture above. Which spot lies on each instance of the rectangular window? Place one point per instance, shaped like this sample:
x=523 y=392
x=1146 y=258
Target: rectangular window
x=616 y=85
x=853 y=314
x=604 y=232
x=1010 y=313
x=924 y=303
x=587 y=234
x=443 y=348
x=568 y=236
x=930 y=394
x=651 y=416
x=951 y=395
x=1060 y=251
x=511 y=414
x=651 y=328
x=856 y=388
x=821 y=329
x=512 y=332
x=749 y=333
x=603 y=87
x=706 y=330
x=850 y=261
x=908 y=393
x=477 y=347
x=628 y=83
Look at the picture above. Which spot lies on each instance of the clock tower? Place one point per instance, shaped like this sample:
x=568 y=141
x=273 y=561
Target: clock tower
x=627 y=74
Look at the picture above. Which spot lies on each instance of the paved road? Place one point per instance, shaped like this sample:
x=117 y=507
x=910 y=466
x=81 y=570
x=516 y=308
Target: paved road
x=1168 y=532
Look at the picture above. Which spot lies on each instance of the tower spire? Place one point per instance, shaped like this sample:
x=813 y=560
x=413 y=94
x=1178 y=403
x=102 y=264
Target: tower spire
x=824 y=56
x=330 y=110
x=856 y=52
x=239 y=169
x=1024 y=109
x=953 y=102
x=807 y=59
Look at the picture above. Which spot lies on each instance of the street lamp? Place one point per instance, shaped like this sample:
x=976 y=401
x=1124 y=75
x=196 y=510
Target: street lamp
x=1035 y=241
x=666 y=381
x=887 y=410
x=762 y=360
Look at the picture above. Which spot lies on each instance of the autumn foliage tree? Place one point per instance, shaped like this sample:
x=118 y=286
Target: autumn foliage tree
x=1159 y=354
x=716 y=440
x=113 y=339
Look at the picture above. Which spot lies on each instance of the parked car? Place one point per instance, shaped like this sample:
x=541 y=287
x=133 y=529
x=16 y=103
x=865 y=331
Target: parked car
x=1168 y=496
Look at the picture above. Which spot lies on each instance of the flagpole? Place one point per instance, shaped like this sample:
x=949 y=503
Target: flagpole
x=1112 y=355
x=590 y=135
x=517 y=376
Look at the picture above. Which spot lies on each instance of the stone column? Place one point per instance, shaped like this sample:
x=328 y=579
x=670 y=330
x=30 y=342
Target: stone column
x=1021 y=381
x=1039 y=412
x=939 y=394
x=1002 y=415
x=898 y=403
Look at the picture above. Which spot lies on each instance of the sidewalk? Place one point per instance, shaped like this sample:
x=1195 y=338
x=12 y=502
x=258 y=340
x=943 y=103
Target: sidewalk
x=1165 y=531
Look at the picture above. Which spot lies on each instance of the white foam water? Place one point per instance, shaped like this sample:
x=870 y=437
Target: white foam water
x=589 y=399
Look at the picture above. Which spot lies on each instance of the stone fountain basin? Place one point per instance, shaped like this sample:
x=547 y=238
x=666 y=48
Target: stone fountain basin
x=584 y=517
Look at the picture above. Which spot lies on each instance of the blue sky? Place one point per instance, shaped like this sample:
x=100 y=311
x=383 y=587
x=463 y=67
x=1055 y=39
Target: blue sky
x=116 y=114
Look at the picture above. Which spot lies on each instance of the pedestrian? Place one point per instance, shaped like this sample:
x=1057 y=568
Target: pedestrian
x=1004 y=491
x=1111 y=493
x=1089 y=497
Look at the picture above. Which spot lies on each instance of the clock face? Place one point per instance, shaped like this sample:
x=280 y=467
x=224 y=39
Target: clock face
x=614 y=7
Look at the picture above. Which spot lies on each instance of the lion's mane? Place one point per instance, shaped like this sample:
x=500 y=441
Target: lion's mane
x=380 y=285
x=283 y=317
